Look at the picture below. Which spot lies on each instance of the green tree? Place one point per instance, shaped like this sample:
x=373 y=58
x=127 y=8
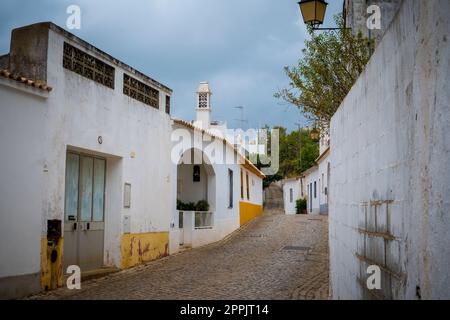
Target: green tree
x=332 y=61
x=298 y=153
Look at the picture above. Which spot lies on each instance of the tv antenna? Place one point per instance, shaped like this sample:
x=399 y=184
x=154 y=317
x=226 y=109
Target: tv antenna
x=242 y=120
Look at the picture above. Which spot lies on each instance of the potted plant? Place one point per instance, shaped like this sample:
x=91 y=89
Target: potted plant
x=301 y=206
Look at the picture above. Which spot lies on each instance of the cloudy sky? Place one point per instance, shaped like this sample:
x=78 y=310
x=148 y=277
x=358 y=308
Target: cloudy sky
x=239 y=46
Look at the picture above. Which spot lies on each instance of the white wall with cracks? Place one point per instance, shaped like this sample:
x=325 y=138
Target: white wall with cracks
x=390 y=191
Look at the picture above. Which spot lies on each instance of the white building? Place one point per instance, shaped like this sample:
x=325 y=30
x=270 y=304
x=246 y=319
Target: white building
x=323 y=164
x=312 y=189
x=86 y=175
x=79 y=154
x=292 y=191
x=233 y=189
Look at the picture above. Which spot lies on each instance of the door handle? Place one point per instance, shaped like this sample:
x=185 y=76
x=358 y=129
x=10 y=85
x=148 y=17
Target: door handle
x=75 y=226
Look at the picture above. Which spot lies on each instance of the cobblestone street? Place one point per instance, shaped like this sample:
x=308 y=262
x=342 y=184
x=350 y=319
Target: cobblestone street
x=273 y=257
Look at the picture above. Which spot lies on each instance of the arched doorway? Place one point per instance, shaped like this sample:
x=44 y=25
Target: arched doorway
x=196 y=195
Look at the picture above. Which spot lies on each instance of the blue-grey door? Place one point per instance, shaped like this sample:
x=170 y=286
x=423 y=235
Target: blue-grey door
x=84 y=211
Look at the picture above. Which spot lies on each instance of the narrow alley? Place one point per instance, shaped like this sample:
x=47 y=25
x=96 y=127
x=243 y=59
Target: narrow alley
x=273 y=257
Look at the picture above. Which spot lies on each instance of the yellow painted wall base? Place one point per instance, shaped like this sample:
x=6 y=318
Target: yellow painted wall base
x=143 y=247
x=249 y=211
x=51 y=273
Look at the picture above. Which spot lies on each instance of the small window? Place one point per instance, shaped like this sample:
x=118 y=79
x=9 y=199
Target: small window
x=248 y=187
x=291 y=195
x=301 y=187
x=315 y=189
x=242 y=184
x=230 y=182
x=168 y=104
x=196 y=173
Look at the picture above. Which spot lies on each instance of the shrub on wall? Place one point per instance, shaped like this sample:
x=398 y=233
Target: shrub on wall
x=202 y=205
x=186 y=206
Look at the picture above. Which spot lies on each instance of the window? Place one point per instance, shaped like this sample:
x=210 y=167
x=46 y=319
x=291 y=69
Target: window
x=301 y=187
x=88 y=66
x=323 y=183
x=242 y=184
x=196 y=173
x=85 y=188
x=315 y=189
x=230 y=182
x=291 y=195
x=168 y=104
x=248 y=187
x=140 y=91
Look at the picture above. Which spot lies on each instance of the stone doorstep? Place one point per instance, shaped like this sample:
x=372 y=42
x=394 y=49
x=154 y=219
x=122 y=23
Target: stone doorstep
x=184 y=248
x=94 y=274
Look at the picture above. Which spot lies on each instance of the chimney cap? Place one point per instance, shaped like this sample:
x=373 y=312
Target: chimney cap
x=204 y=87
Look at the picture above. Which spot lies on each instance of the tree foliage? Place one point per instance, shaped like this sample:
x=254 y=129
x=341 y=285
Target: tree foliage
x=298 y=153
x=331 y=63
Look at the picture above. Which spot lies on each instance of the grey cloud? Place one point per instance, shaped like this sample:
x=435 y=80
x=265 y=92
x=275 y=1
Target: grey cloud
x=240 y=46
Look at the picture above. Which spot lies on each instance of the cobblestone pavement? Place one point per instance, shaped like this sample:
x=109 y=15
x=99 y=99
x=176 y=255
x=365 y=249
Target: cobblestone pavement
x=273 y=257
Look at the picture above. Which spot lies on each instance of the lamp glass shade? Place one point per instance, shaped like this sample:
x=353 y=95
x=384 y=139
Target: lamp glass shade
x=313 y=11
x=315 y=134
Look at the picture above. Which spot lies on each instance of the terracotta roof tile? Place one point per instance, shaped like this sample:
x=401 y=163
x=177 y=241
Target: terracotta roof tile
x=29 y=82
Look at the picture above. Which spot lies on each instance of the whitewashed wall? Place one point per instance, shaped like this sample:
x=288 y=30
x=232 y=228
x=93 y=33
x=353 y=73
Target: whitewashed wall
x=290 y=206
x=323 y=183
x=255 y=188
x=390 y=160
x=22 y=158
x=310 y=178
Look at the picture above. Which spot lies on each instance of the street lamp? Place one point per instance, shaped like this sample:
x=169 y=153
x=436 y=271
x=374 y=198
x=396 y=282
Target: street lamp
x=313 y=12
x=315 y=134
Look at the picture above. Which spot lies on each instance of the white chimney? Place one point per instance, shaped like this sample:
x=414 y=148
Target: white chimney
x=203 y=106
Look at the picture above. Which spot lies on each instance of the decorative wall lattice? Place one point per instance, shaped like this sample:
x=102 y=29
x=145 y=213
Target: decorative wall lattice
x=140 y=91
x=203 y=100
x=88 y=66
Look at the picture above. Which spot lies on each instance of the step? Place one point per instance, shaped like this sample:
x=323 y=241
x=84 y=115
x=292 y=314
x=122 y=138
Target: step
x=98 y=273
